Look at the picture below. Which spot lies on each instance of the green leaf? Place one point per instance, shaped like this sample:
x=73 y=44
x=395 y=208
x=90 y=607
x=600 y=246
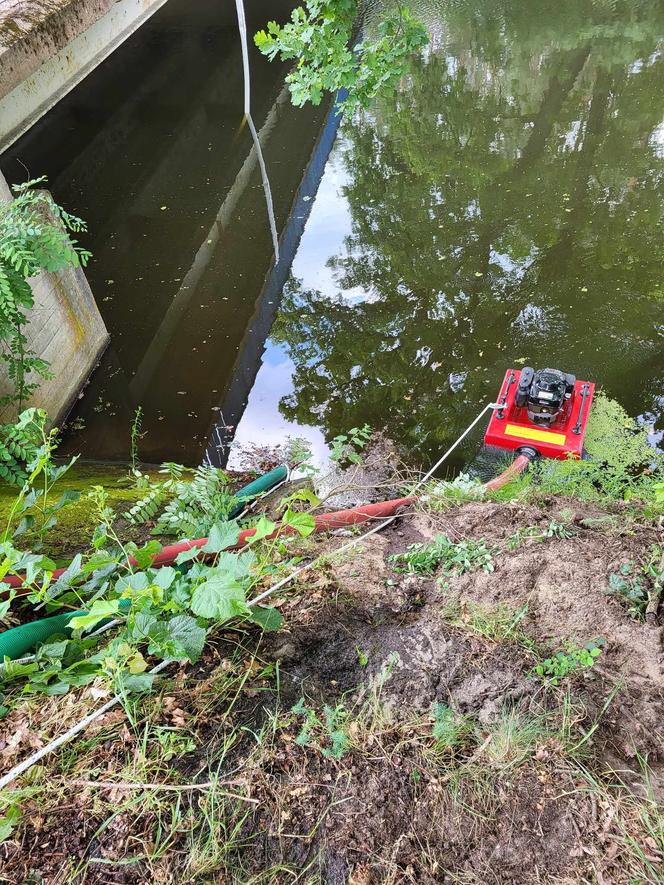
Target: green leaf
x=266 y=617
x=67 y=497
x=221 y=536
x=146 y=554
x=26 y=523
x=135 y=581
x=306 y=495
x=263 y=529
x=187 y=555
x=164 y=577
x=303 y=523
x=221 y=597
x=53 y=650
x=8 y=821
x=141 y=625
x=137 y=682
x=187 y=638
x=100 y=609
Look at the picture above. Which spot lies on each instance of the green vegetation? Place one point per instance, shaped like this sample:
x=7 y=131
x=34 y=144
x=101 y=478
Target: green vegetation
x=481 y=723
x=328 y=733
x=347 y=447
x=453 y=559
x=34 y=236
x=320 y=37
x=633 y=584
x=450 y=730
x=188 y=507
x=76 y=522
x=165 y=613
x=572 y=660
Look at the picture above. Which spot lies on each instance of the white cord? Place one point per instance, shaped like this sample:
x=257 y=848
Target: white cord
x=83 y=723
x=63 y=738
x=242 y=26
x=435 y=467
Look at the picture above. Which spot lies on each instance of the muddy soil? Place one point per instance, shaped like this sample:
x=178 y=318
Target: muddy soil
x=506 y=806
x=563 y=583
x=412 y=830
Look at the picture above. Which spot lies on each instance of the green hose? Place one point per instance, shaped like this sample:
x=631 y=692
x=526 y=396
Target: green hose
x=258 y=487
x=18 y=641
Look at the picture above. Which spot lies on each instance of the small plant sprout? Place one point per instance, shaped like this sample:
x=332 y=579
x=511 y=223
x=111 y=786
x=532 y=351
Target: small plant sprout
x=346 y=448
x=300 y=456
x=633 y=584
x=326 y=733
x=630 y=589
x=568 y=662
x=34 y=507
x=558 y=530
x=135 y=436
x=451 y=731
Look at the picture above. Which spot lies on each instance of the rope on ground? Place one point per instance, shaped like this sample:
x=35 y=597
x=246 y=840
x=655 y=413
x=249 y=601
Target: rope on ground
x=81 y=725
x=91 y=717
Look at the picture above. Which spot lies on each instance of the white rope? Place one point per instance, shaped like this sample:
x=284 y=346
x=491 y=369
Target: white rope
x=435 y=467
x=83 y=723
x=242 y=26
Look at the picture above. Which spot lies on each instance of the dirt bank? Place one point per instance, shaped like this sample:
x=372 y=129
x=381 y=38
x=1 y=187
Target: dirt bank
x=393 y=731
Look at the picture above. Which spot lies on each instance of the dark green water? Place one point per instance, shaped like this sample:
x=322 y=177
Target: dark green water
x=504 y=206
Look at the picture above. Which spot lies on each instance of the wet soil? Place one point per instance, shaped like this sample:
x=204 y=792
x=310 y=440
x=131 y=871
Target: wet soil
x=393 y=807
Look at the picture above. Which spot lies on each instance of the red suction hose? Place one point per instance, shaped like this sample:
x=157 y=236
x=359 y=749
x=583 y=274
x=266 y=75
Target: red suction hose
x=515 y=469
x=324 y=522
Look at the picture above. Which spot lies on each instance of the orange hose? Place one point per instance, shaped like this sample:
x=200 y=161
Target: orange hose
x=516 y=468
x=324 y=522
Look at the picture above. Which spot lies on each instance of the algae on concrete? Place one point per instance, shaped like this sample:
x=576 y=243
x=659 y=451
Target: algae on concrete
x=77 y=520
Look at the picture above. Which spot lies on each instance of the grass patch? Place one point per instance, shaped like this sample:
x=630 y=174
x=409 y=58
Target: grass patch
x=498 y=624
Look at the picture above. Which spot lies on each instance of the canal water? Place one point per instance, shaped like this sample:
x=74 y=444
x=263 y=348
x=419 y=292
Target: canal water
x=504 y=206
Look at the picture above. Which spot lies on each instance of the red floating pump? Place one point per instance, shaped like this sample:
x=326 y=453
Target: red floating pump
x=545 y=410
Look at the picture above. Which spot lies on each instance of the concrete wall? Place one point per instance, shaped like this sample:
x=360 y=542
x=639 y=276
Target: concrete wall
x=46 y=48
x=66 y=329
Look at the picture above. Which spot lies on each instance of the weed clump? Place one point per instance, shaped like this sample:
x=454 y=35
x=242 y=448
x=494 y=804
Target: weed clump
x=452 y=559
x=633 y=585
x=572 y=660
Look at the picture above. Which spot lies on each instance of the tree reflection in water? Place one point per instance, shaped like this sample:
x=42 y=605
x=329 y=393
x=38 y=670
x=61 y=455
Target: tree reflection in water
x=507 y=206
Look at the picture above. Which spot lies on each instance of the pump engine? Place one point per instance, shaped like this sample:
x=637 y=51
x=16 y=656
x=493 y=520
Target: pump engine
x=544 y=410
x=544 y=393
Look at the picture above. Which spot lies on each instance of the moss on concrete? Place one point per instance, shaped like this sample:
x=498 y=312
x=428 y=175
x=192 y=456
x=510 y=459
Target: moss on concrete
x=77 y=521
